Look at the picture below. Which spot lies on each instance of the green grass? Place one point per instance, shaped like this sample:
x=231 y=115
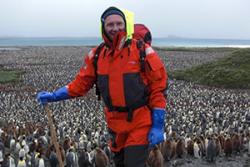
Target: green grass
x=9 y=76
x=232 y=71
x=194 y=49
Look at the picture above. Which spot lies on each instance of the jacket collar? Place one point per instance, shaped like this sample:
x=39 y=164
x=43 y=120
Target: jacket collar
x=118 y=41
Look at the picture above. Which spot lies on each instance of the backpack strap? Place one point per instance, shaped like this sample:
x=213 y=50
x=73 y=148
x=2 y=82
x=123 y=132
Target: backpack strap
x=97 y=52
x=141 y=46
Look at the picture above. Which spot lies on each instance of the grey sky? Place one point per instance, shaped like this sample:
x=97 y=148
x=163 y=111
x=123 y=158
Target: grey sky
x=80 y=18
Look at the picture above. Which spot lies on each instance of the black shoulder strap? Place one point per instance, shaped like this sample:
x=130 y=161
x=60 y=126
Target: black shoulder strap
x=97 y=52
x=141 y=46
x=96 y=56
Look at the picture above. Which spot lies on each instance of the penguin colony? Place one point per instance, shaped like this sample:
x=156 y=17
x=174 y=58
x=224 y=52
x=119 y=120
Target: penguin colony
x=204 y=123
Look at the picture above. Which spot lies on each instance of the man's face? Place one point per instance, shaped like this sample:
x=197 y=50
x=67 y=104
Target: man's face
x=113 y=24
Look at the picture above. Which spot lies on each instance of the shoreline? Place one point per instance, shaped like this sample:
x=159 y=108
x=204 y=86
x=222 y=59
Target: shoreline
x=90 y=41
x=18 y=47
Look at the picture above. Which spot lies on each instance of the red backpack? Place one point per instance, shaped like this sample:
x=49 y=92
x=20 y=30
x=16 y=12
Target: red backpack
x=141 y=32
x=143 y=35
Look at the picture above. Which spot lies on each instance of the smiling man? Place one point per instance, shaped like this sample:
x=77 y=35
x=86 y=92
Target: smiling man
x=134 y=99
x=113 y=24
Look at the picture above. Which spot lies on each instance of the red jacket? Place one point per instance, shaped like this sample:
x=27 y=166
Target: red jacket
x=122 y=83
x=115 y=65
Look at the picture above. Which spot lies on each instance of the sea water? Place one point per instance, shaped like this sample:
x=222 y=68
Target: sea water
x=161 y=42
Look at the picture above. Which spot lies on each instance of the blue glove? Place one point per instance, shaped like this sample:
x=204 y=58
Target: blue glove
x=44 y=97
x=155 y=135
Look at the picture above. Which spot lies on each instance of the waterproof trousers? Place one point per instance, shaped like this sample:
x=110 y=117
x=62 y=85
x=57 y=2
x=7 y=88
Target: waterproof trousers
x=132 y=156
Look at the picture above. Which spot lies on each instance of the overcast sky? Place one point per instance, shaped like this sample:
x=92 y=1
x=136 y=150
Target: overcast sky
x=80 y=18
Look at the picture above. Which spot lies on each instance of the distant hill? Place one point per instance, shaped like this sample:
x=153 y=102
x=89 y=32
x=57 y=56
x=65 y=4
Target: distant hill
x=233 y=71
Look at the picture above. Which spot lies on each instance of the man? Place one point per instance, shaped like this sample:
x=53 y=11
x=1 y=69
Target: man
x=134 y=100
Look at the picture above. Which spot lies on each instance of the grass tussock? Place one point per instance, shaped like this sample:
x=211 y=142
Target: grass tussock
x=195 y=49
x=9 y=76
x=232 y=71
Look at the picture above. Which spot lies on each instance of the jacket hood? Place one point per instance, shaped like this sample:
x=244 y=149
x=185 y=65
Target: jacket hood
x=128 y=17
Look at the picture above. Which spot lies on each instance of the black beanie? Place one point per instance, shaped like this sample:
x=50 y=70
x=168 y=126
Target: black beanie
x=110 y=11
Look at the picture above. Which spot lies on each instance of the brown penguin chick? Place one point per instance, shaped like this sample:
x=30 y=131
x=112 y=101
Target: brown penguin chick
x=190 y=147
x=167 y=149
x=201 y=143
x=218 y=147
x=228 y=147
x=83 y=158
x=155 y=158
x=222 y=141
x=242 y=140
x=236 y=143
x=180 y=148
x=173 y=152
x=66 y=144
x=101 y=159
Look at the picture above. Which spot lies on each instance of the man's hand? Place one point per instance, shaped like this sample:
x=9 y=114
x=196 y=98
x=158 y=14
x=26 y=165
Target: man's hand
x=155 y=135
x=45 y=97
